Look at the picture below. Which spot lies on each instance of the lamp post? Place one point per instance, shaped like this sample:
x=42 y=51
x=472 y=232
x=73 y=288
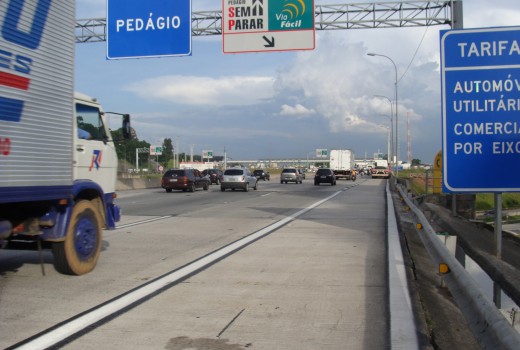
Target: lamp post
x=390 y=154
x=308 y=164
x=390 y=138
x=396 y=112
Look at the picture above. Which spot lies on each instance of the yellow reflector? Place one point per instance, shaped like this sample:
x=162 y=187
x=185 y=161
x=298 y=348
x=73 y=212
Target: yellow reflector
x=443 y=268
x=419 y=226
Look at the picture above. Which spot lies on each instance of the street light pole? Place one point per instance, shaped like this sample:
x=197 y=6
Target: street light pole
x=390 y=154
x=390 y=138
x=396 y=112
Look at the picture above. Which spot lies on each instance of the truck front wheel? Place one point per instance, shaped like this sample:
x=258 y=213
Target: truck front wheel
x=79 y=253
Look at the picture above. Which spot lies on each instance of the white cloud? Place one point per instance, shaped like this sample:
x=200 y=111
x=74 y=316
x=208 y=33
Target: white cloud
x=340 y=81
x=298 y=110
x=192 y=90
x=480 y=13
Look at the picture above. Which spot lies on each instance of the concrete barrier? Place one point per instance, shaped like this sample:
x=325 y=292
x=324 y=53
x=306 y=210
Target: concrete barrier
x=137 y=183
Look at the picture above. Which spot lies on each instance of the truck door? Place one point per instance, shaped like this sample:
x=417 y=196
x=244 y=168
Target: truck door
x=94 y=154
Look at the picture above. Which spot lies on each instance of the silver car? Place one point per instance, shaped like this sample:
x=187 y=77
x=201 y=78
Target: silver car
x=290 y=175
x=238 y=178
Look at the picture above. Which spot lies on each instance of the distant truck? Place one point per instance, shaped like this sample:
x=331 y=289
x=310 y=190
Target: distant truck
x=58 y=163
x=381 y=162
x=342 y=164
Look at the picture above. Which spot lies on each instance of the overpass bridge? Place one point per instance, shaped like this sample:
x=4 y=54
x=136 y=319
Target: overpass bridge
x=279 y=162
x=291 y=162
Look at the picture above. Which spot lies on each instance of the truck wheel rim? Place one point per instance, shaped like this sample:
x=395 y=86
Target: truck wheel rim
x=85 y=238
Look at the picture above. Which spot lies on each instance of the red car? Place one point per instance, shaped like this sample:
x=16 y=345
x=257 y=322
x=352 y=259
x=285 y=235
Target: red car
x=185 y=180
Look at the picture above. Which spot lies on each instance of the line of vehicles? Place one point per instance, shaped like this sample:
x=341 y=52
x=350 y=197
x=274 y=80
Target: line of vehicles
x=342 y=166
x=240 y=178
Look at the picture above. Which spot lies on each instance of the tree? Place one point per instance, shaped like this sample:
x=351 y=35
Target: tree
x=416 y=162
x=125 y=148
x=167 y=151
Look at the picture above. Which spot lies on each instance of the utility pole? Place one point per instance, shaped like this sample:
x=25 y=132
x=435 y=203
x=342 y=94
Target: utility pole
x=409 y=140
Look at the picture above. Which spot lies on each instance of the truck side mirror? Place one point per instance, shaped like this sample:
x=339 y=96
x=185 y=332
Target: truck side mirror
x=126 y=126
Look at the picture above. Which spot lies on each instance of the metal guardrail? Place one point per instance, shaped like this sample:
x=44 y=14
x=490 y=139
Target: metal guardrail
x=490 y=328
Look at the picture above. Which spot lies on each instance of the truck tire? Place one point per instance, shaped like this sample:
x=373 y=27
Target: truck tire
x=79 y=252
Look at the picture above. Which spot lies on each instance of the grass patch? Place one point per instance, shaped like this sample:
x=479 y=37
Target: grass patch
x=486 y=201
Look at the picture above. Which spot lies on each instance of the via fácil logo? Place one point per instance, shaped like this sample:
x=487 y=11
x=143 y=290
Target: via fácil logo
x=15 y=68
x=291 y=14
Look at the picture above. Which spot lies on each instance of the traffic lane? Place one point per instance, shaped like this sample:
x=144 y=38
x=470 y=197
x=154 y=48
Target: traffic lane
x=131 y=256
x=318 y=282
x=157 y=202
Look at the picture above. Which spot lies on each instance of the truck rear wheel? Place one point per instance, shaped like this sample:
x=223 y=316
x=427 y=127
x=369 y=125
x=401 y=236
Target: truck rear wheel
x=79 y=253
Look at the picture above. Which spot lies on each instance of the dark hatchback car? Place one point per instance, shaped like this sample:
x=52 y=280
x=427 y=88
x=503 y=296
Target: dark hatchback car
x=185 y=180
x=215 y=175
x=262 y=175
x=324 y=175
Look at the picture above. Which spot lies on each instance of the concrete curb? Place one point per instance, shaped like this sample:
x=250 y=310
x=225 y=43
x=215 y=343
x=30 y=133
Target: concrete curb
x=403 y=332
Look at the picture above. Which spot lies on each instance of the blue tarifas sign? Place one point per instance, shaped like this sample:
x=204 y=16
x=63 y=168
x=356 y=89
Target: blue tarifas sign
x=480 y=82
x=148 y=28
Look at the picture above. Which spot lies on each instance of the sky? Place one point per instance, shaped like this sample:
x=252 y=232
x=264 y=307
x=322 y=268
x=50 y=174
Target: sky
x=273 y=105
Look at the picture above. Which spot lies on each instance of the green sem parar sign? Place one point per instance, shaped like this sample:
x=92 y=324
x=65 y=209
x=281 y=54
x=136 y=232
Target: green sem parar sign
x=291 y=15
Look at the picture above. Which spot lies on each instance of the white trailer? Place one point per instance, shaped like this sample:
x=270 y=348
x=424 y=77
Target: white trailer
x=342 y=163
x=56 y=188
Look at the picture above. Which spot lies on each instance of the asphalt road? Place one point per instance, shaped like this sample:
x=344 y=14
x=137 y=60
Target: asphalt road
x=284 y=267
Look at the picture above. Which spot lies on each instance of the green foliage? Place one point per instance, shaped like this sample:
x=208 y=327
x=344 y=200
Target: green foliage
x=125 y=149
x=486 y=201
x=167 y=151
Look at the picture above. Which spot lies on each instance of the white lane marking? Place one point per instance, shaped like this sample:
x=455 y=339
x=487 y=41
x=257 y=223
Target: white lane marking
x=68 y=329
